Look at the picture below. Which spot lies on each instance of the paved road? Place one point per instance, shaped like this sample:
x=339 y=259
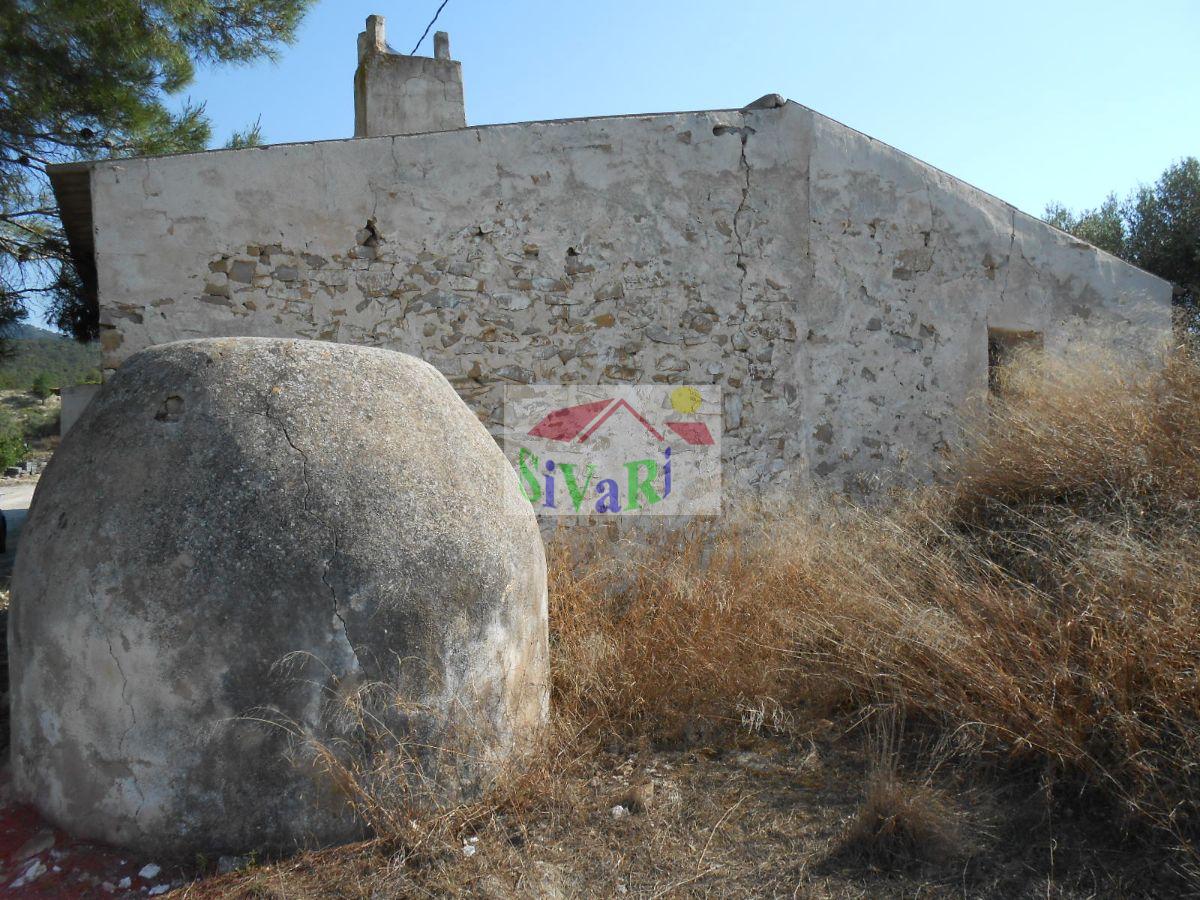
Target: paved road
x=14 y=500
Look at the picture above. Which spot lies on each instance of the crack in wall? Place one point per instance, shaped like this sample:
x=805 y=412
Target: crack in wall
x=1012 y=239
x=932 y=210
x=744 y=165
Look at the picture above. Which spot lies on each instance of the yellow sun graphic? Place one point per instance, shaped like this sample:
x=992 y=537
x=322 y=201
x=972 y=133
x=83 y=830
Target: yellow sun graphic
x=685 y=399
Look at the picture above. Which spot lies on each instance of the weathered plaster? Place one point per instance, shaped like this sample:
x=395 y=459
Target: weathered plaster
x=395 y=93
x=838 y=290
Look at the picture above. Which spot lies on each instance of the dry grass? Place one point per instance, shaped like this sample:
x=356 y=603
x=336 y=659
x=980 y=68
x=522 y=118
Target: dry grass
x=1036 y=612
x=902 y=821
x=1040 y=606
x=657 y=637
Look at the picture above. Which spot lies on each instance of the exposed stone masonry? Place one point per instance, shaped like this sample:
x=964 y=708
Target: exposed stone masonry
x=494 y=307
x=839 y=292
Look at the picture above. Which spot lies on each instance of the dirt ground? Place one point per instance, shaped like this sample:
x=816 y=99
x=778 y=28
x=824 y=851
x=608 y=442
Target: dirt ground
x=766 y=819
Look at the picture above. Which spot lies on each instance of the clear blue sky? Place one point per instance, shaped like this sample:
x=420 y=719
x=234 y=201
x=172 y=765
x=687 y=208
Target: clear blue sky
x=1032 y=101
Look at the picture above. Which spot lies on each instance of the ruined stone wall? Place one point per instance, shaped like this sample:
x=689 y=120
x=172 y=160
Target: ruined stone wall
x=839 y=291
x=912 y=267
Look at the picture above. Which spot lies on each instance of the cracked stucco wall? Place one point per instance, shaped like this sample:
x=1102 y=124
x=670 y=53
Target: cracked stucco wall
x=837 y=290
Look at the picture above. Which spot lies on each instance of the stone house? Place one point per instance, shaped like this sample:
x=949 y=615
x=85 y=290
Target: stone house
x=841 y=293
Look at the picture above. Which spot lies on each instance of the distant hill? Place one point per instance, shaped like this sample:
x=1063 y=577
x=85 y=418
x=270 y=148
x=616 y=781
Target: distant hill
x=26 y=351
x=23 y=332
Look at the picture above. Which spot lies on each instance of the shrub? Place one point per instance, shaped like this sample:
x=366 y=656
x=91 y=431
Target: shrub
x=41 y=387
x=12 y=440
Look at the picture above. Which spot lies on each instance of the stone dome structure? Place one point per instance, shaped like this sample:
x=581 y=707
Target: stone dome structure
x=242 y=545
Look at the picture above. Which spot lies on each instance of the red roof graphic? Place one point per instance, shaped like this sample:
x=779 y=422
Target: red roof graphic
x=563 y=424
x=572 y=423
x=612 y=409
x=693 y=432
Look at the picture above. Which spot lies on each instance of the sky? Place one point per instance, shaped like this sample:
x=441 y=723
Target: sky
x=1034 y=102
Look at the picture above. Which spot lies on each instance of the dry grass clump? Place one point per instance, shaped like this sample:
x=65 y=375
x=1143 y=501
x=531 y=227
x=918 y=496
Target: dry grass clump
x=1091 y=432
x=903 y=821
x=664 y=635
x=1046 y=600
x=1040 y=605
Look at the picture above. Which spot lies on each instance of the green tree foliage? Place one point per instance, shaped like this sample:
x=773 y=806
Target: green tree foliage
x=251 y=137
x=1103 y=227
x=41 y=387
x=82 y=79
x=1157 y=228
x=12 y=440
x=34 y=352
x=1164 y=228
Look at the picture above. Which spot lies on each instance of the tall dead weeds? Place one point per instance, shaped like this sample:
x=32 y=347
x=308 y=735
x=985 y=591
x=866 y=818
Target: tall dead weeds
x=1038 y=608
x=1041 y=603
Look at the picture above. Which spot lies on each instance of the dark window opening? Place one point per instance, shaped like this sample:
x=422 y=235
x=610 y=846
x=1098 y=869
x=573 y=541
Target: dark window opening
x=1003 y=345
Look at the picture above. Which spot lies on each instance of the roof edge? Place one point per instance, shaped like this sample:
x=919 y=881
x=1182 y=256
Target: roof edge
x=92 y=163
x=72 y=181
x=72 y=185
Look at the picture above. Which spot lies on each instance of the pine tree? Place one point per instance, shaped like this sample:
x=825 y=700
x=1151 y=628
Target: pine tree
x=82 y=79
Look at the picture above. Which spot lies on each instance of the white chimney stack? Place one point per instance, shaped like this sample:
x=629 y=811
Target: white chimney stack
x=398 y=94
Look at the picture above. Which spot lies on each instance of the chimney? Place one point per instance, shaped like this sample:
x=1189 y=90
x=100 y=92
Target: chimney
x=398 y=94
